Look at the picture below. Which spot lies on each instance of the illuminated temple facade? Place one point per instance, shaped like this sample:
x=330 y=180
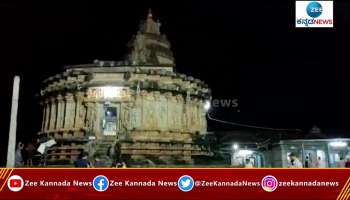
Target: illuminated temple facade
x=141 y=103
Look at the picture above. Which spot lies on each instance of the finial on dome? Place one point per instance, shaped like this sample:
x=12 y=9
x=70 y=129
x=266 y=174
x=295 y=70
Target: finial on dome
x=149 y=15
x=149 y=25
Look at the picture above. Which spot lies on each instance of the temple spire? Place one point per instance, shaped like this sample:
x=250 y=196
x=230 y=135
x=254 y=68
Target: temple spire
x=149 y=46
x=149 y=25
x=149 y=15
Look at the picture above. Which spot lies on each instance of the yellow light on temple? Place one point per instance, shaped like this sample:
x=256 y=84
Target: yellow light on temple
x=108 y=92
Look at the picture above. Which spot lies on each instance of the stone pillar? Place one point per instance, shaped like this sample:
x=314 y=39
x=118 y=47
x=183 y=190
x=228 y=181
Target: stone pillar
x=136 y=113
x=43 y=118
x=157 y=111
x=91 y=117
x=69 y=111
x=79 y=110
x=143 y=95
x=52 y=114
x=60 y=112
x=195 y=116
x=169 y=107
x=179 y=110
x=47 y=115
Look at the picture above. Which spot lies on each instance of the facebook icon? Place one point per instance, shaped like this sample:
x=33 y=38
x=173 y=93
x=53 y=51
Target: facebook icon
x=100 y=183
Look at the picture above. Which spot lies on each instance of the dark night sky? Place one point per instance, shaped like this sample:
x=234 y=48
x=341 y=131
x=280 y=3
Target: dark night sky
x=282 y=77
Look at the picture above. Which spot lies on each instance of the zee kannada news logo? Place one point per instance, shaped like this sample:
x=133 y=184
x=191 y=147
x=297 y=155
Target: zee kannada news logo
x=314 y=14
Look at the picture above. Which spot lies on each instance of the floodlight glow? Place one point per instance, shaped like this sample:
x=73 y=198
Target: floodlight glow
x=207 y=105
x=110 y=92
x=244 y=152
x=338 y=144
x=235 y=146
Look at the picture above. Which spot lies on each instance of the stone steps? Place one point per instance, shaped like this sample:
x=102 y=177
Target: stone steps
x=102 y=147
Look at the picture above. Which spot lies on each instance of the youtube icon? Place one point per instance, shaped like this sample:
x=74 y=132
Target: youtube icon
x=15 y=183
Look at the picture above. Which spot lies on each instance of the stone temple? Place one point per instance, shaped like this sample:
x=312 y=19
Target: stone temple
x=153 y=113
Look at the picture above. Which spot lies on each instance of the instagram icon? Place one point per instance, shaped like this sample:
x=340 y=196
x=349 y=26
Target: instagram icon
x=269 y=183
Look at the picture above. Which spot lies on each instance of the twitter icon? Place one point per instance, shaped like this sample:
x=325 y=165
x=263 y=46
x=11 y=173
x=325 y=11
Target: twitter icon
x=185 y=183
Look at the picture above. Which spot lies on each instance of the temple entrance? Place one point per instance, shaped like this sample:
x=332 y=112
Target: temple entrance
x=110 y=120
